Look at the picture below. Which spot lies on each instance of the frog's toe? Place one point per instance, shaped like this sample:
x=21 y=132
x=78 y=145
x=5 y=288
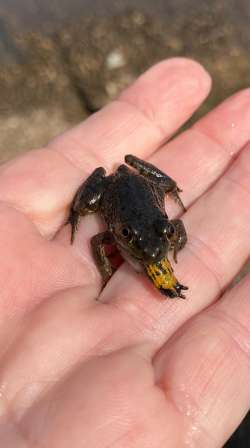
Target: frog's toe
x=73 y=220
x=174 y=292
x=179 y=288
x=178 y=238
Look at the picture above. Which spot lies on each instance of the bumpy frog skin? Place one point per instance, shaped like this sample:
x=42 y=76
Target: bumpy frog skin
x=132 y=205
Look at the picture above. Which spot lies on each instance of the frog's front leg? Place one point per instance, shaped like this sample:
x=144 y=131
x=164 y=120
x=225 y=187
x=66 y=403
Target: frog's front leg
x=177 y=236
x=98 y=248
x=86 y=199
x=157 y=176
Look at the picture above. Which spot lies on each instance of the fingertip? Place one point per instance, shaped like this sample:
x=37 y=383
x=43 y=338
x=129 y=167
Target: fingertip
x=170 y=91
x=228 y=123
x=185 y=67
x=180 y=67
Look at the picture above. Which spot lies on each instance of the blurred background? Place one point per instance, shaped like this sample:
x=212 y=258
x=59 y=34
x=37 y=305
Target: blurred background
x=61 y=61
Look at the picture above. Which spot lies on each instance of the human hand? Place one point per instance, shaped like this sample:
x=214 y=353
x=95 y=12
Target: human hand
x=131 y=369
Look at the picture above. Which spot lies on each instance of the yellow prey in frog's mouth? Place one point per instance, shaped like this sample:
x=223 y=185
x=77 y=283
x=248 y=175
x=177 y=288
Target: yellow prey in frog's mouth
x=162 y=275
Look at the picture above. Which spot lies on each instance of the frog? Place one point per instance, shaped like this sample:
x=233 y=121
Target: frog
x=131 y=202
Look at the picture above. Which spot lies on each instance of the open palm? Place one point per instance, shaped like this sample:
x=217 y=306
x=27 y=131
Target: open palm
x=131 y=369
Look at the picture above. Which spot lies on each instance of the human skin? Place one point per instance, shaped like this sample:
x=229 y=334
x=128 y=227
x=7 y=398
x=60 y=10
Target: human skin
x=131 y=369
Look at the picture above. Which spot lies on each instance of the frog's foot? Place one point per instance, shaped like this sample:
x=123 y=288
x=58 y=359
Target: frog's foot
x=73 y=220
x=175 y=291
x=98 y=243
x=177 y=237
x=86 y=199
x=175 y=195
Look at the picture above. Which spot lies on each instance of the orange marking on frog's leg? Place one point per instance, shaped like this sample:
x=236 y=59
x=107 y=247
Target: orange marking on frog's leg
x=163 y=278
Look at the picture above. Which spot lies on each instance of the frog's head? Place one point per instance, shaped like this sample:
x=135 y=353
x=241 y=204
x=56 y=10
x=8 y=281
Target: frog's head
x=146 y=241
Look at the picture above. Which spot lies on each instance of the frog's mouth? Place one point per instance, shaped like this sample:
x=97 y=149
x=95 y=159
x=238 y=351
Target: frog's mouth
x=116 y=255
x=144 y=257
x=136 y=263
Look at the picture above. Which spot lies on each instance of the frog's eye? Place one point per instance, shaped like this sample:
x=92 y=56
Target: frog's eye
x=170 y=230
x=126 y=232
x=161 y=226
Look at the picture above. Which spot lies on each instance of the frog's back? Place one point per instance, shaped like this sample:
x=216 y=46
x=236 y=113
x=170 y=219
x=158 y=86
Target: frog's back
x=129 y=196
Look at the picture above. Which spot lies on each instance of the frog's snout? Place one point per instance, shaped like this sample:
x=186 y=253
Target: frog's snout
x=153 y=254
x=153 y=248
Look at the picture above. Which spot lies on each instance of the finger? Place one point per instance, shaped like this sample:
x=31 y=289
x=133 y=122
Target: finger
x=205 y=368
x=66 y=329
x=32 y=268
x=199 y=156
x=193 y=159
x=144 y=116
x=218 y=245
x=119 y=406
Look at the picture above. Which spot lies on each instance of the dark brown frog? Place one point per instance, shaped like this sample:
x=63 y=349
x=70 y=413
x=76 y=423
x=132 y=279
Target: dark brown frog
x=132 y=205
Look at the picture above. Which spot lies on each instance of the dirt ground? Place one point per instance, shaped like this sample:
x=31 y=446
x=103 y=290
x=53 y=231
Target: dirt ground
x=68 y=74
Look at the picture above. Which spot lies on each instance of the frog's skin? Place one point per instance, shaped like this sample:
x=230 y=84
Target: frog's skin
x=133 y=207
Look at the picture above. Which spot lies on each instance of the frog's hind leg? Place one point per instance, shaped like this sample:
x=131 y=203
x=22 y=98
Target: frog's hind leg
x=178 y=237
x=157 y=176
x=98 y=248
x=87 y=199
